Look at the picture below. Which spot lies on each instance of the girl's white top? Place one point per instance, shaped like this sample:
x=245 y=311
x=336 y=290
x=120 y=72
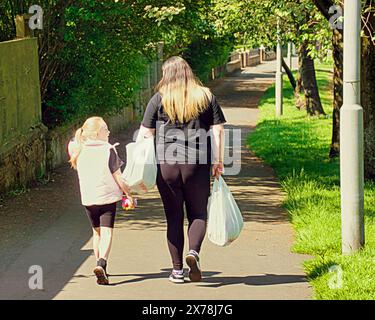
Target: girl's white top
x=97 y=184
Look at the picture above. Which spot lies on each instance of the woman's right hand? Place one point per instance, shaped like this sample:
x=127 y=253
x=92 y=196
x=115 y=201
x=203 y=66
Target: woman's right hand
x=217 y=169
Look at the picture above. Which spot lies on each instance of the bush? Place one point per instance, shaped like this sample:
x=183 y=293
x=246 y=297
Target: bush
x=103 y=61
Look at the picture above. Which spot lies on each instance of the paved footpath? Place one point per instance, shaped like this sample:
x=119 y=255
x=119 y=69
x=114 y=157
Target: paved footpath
x=258 y=265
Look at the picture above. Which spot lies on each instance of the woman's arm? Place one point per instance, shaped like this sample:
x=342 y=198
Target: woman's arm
x=146 y=132
x=218 y=148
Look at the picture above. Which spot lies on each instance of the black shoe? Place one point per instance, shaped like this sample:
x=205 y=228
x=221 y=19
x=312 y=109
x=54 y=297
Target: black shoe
x=101 y=272
x=102 y=263
x=101 y=276
x=195 y=273
x=176 y=277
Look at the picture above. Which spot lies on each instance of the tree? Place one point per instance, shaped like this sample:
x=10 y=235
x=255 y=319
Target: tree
x=254 y=22
x=367 y=80
x=307 y=21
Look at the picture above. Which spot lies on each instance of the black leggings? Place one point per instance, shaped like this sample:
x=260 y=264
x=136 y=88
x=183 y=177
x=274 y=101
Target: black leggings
x=179 y=184
x=101 y=215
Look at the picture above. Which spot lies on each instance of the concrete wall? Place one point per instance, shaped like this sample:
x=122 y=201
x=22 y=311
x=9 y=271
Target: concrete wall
x=218 y=72
x=25 y=161
x=233 y=66
x=269 y=55
x=251 y=58
x=242 y=59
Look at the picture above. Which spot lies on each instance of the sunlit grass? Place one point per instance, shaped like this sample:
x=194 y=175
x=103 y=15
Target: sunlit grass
x=297 y=147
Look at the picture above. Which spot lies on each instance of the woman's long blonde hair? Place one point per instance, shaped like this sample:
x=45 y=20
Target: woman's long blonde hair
x=89 y=130
x=183 y=95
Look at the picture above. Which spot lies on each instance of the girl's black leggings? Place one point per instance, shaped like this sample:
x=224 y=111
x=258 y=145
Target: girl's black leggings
x=181 y=184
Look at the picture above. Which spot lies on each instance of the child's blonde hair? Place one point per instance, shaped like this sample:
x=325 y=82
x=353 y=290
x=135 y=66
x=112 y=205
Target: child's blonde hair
x=89 y=130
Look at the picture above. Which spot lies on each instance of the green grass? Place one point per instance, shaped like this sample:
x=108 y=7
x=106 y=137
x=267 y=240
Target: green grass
x=297 y=147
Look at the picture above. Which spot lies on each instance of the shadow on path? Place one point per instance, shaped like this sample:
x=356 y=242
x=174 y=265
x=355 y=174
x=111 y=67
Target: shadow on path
x=210 y=280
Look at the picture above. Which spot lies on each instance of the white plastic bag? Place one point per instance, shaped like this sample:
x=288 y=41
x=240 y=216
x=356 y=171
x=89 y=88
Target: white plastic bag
x=224 y=217
x=141 y=166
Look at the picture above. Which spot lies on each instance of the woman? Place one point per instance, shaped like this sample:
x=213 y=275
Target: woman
x=180 y=114
x=101 y=186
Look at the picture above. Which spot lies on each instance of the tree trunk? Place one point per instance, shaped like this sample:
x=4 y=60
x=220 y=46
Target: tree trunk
x=367 y=86
x=368 y=95
x=289 y=74
x=337 y=42
x=312 y=98
x=300 y=104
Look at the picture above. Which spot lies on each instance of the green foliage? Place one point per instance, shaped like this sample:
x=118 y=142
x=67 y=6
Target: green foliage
x=163 y=13
x=205 y=54
x=105 y=54
x=297 y=148
x=254 y=23
x=93 y=53
x=193 y=34
x=7 y=30
x=102 y=70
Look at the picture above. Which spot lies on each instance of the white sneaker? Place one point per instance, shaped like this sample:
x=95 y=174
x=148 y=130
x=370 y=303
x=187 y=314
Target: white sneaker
x=176 y=277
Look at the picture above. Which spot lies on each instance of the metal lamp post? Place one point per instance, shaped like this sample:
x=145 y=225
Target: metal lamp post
x=351 y=135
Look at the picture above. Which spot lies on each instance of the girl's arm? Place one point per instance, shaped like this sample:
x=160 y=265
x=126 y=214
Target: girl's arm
x=123 y=186
x=218 y=148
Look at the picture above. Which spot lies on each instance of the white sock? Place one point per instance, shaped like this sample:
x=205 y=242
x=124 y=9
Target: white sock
x=194 y=252
x=178 y=271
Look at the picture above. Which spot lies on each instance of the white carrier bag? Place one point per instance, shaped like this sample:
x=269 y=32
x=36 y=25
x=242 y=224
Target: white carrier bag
x=224 y=217
x=140 y=164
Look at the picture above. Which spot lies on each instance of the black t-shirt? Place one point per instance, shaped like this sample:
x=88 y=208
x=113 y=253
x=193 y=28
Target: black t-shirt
x=212 y=115
x=114 y=162
x=182 y=142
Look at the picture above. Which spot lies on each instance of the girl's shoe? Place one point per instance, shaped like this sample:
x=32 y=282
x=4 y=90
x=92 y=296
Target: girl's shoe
x=101 y=272
x=176 y=277
x=192 y=260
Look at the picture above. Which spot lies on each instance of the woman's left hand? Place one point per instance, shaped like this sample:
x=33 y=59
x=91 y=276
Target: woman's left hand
x=217 y=169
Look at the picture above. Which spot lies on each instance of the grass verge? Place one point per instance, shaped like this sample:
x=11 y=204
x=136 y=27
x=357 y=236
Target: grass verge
x=297 y=147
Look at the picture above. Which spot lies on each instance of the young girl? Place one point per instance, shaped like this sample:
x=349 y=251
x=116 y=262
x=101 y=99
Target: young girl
x=101 y=185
